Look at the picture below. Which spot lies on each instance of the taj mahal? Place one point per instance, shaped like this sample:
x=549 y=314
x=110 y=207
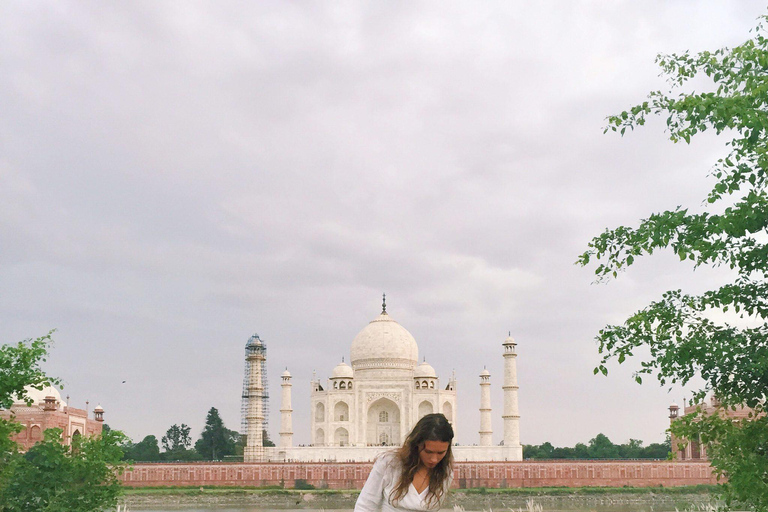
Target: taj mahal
x=369 y=406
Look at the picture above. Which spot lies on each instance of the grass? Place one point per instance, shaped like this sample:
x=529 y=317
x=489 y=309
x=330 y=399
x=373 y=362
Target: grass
x=516 y=491
x=554 y=491
x=265 y=491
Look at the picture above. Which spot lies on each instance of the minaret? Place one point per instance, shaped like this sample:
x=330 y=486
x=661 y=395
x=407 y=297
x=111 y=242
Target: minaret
x=486 y=432
x=286 y=422
x=254 y=449
x=511 y=414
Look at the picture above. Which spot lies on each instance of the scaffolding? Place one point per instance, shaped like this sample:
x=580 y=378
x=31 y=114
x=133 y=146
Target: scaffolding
x=255 y=345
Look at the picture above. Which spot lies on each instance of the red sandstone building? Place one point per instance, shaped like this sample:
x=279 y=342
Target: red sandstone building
x=48 y=410
x=682 y=449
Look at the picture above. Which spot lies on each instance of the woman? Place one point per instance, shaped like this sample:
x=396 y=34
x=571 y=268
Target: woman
x=414 y=477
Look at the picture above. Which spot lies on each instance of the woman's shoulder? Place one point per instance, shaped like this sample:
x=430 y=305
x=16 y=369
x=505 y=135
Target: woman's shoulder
x=387 y=460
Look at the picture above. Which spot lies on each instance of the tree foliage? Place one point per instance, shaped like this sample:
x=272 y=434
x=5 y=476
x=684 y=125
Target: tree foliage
x=216 y=440
x=176 y=443
x=146 y=450
x=19 y=368
x=599 y=447
x=679 y=329
x=177 y=438
x=53 y=477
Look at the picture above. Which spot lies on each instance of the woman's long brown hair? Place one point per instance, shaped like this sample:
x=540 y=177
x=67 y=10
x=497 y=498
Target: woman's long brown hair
x=432 y=427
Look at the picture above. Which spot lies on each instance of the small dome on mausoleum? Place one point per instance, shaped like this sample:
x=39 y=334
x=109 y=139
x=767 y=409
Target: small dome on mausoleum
x=342 y=371
x=424 y=371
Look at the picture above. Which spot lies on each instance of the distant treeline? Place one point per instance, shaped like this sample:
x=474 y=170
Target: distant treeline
x=599 y=447
x=216 y=443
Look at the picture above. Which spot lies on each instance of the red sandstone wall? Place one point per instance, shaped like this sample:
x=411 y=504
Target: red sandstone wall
x=352 y=475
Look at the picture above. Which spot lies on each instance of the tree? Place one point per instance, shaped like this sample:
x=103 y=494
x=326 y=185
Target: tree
x=59 y=478
x=581 y=451
x=631 y=450
x=146 y=450
x=176 y=443
x=51 y=476
x=216 y=441
x=177 y=438
x=683 y=332
x=19 y=368
x=600 y=447
x=658 y=450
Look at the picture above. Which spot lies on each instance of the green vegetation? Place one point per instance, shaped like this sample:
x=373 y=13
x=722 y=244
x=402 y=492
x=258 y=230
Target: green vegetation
x=599 y=447
x=569 y=491
x=216 y=441
x=687 y=335
x=527 y=491
x=51 y=476
x=146 y=450
x=20 y=367
x=176 y=444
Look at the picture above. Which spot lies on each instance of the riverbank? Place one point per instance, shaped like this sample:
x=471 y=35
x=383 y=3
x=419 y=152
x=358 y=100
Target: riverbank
x=551 y=498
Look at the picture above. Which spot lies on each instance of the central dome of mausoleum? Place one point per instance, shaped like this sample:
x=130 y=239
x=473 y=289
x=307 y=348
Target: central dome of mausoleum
x=384 y=343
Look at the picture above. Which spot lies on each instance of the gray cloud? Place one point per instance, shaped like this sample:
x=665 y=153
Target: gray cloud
x=175 y=177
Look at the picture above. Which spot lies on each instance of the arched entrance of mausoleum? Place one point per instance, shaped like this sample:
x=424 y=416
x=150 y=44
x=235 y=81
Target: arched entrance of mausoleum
x=383 y=423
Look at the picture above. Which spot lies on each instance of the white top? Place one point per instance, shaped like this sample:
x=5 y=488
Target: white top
x=381 y=482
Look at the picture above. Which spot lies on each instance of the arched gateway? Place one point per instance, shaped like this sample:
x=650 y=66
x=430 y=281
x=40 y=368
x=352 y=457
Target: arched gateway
x=383 y=423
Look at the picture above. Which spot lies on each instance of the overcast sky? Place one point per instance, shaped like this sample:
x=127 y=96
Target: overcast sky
x=176 y=176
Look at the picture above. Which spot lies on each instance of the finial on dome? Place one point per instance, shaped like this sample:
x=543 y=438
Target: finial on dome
x=383 y=303
x=509 y=333
x=425 y=359
x=342 y=359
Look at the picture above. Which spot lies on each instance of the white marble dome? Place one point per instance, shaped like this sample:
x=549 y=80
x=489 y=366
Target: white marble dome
x=424 y=371
x=38 y=396
x=384 y=343
x=342 y=371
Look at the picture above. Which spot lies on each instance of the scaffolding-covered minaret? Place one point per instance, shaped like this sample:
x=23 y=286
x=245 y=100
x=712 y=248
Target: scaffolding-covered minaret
x=254 y=446
x=253 y=346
